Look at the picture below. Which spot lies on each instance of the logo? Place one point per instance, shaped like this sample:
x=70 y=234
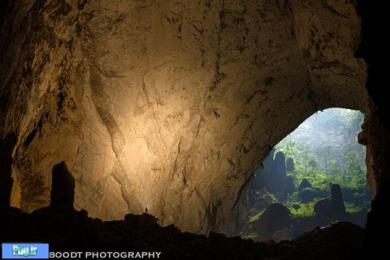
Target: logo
x=24 y=251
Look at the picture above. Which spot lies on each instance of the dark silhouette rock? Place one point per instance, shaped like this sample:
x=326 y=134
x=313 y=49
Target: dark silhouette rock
x=336 y=196
x=377 y=127
x=260 y=200
x=290 y=165
x=62 y=189
x=346 y=238
x=6 y=147
x=262 y=175
x=324 y=209
x=308 y=195
x=273 y=177
x=277 y=174
x=332 y=208
x=73 y=230
x=305 y=183
x=283 y=235
x=335 y=192
x=289 y=185
x=377 y=228
x=279 y=165
x=275 y=217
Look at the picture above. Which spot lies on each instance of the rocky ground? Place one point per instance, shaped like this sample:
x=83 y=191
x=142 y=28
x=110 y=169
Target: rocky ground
x=74 y=230
x=65 y=228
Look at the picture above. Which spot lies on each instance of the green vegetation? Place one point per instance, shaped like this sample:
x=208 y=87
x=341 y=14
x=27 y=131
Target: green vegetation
x=333 y=157
x=307 y=166
x=298 y=208
x=255 y=217
x=325 y=151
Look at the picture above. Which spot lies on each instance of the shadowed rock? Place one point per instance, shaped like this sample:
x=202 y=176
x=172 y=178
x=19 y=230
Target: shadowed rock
x=290 y=165
x=289 y=185
x=335 y=192
x=6 y=147
x=332 y=208
x=74 y=230
x=277 y=175
x=276 y=217
x=62 y=189
x=305 y=183
x=310 y=194
x=280 y=164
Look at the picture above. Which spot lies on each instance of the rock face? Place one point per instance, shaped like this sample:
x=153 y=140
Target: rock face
x=166 y=106
x=332 y=208
x=290 y=165
x=275 y=218
x=272 y=177
x=62 y=187
x=6 y=147
x=376 y=134
x=344 y=236
x=68 y=229
x=74 y=230
x=310 y=194
x=305 y=184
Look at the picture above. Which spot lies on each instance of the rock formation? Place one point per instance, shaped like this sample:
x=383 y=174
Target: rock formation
x=290 y=166
x=305 y=184
x=346 y=237
x=166 y=106
x=275 y=218
x=376 y=134
x=277 y=174
x=333 y=208
x=272 y=176
x=72 y=230
x=6 y=147
x=289 y=185
x=67 y=229
x=62 y=187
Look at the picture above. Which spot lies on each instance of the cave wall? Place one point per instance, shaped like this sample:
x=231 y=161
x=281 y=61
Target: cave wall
x=167 y=105
x=376 y=129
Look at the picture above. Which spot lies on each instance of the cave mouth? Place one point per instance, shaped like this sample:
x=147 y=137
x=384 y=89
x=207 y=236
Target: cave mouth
x=312 y=178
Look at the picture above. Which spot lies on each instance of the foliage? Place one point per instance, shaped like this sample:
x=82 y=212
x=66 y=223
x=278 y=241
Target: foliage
x=352 y=208
x=304 y=209
x=325 y=152
x=255 y=217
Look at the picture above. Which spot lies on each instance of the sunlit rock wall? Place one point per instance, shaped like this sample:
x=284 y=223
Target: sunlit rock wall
x=168 y=104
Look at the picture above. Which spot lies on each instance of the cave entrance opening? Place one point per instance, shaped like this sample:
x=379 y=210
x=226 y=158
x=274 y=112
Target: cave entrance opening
x=313 y=177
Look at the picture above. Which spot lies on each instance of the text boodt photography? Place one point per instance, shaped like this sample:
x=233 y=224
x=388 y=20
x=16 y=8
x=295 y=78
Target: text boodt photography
x=41 y=251
x=106 y=255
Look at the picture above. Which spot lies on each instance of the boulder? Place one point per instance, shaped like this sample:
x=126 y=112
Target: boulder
x=279 y=164
x=332 y=208
x=290 y=165
x=310 y=194
x=260 y=200
x=289 y=185
x=335 y=192
x=275 y=217
x=305 y=183
x=277 y=173
x=284 y=234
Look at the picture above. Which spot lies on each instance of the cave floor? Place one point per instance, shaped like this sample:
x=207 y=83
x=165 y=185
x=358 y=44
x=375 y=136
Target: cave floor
x=68 y=229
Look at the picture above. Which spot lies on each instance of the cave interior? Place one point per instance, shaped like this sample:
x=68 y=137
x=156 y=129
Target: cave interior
x=136 y=124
